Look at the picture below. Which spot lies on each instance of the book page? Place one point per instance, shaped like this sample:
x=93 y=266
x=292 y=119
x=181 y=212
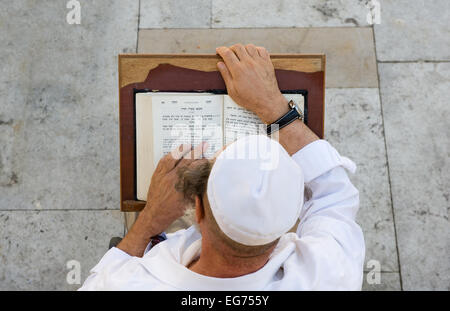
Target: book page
x=144 y=144
x=186 y=119
x=166 y=120
x=240 y=122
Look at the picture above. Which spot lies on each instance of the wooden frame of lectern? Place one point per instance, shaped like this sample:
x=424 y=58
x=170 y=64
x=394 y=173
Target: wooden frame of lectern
x=197 y=73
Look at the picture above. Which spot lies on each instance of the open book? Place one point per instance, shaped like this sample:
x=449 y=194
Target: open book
x=166 y=120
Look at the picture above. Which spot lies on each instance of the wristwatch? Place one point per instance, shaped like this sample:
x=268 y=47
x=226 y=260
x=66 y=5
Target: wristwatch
x=293 y=114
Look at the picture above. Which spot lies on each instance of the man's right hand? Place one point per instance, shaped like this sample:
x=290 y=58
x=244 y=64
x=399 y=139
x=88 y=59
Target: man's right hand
x=164 y=203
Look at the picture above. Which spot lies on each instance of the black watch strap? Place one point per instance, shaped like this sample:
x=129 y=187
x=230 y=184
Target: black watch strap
x=287 y=119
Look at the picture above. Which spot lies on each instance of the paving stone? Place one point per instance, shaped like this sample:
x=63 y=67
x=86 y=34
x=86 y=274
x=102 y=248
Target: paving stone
x=59 y=112
x=288 y=13
x=389 y=281
x=35 y=246
x=413 y=30
x=175 y=14
x=416 y=117
x=353 y=125
x=350 y=51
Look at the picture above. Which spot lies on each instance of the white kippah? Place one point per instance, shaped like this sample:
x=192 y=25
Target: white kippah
x=255 y=190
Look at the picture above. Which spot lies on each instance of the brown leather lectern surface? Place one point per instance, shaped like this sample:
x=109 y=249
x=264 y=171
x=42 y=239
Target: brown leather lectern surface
x=198 y=73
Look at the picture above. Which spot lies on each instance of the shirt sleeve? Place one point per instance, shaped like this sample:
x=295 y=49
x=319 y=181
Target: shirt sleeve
x=329 y=234
x=110 y=262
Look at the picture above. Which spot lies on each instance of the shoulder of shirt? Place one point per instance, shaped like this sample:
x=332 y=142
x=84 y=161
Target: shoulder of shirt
x=191 y=231
x=178 y=239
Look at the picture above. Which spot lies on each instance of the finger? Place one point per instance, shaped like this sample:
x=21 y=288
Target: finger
x=170 y=160
x=166 y=163
x=240 y=51
x=180 y=151
x=196 y=153
x=205 y=147
x=190 y=162
x=251 y=50
x=263 y=53
x=230 y=59
x=193 y=164
x=226 y=75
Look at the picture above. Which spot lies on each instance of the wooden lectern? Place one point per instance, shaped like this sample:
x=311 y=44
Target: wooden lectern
x=198 y=73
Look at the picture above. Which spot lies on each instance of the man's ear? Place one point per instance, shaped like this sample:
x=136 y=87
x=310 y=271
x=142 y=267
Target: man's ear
x=199 y=210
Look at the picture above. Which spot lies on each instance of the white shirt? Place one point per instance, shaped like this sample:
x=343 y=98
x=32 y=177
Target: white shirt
x=326 y=252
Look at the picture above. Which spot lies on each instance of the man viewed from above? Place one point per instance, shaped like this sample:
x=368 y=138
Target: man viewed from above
x=246 y=201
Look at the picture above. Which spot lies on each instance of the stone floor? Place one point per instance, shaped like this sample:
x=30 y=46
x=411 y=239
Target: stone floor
x=386 y=108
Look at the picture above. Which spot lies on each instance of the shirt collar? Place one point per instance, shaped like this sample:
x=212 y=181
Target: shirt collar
x=167 y=261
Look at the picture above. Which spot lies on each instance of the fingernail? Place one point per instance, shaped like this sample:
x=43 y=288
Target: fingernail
x=220 y=65
x=205 y=146
x=186 y=147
